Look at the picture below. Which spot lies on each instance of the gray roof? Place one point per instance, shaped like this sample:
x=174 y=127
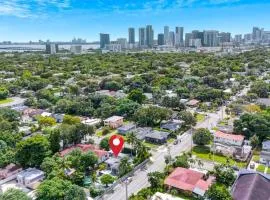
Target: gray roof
x=140 y=132
x=266 y=142
x=160 y=135
x=264 y=101
x=126 y=127
x=251 y=185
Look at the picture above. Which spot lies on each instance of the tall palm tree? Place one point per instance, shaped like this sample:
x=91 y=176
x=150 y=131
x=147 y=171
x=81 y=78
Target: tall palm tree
x=132 y=139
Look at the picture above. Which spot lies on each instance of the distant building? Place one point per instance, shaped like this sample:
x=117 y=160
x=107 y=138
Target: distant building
x=224 y=37
x=198 y=35
x=114 y=47
x=238 y=38
x=142 y=36
x=161 y=39
x=248 y=38
x=104 y=40
x=166 y=35
x=179 y=36
x=76 y=49
x=127 y=128
x=149 y=36
x=51 y=48
x=123 y=42
x=171 y=39
x=211 y=38
x=257 y=34
x=131 y=35
x=195 y=43
x=188 y=37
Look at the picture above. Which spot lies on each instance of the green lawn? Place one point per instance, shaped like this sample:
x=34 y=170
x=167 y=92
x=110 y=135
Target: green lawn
x=256 y=158
x=200 y=117
x=171 y=140
x=150 y=145
x=8 y=100
x=268 y=170
x=260 y=168
x=204 y=153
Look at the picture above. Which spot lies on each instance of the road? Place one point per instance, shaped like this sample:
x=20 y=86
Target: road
x=140 y=179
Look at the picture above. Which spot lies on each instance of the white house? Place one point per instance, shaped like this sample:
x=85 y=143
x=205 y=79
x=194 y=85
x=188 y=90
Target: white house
x=30 y=176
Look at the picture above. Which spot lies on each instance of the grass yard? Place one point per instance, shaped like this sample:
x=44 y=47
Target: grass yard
x=203 y=152
x=170 y=140
x=256 y=158
x=268 y=170
x=200 y=117
x=150 y=145
x=3 y=101
x=260 y=168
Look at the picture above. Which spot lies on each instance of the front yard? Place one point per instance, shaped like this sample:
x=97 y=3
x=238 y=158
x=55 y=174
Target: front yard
x=203 y=152
x=200 y=117
x=3 y=101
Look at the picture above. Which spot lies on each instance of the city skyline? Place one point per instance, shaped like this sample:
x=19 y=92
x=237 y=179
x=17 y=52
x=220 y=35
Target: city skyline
x=58 y=20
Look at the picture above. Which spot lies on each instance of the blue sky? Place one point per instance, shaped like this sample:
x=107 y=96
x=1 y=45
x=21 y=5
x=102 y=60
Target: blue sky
x=61 y=20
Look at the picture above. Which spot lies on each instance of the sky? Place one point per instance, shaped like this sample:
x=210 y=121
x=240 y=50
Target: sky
x=61 y=20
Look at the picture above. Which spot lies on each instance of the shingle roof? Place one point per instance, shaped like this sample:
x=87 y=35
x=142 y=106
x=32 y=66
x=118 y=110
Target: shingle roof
x=251 y=186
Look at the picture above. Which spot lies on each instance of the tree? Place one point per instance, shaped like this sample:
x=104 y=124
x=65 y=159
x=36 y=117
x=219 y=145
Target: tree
x=14 y=194
x=260 y=88
x=124 y=166
x=156 y=179
x=254 y=141
x=32 y=151
x=224 y=174
x=71 y=120
x=46 y=121
x=88 y=159
x=137 y=96
x=252 y=108
x=131 y=139
x=3 y=93
x=107 y=179
x=57 y=188
x=55 y=139
x=202 y=136
x=218 y=192
x=151 y=116
x=181 y=161
x=188 y=118
x=104 y=144
x=172 y=102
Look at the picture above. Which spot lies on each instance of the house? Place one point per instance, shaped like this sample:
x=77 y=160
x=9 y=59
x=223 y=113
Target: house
x=158 y=137
x=114 y=121
x=101 y=154
x=264 y=101
x=123 y=130
x=189 y=180
x=251 y=185
x=31 y=112
x=172 y=125
x=90 y=122
x=46 y=114
x=265 y=153
x=113 y=163
x=140 y=132
x=9 y=172
x=193 y=103
x=30 y=177
x=230 y=144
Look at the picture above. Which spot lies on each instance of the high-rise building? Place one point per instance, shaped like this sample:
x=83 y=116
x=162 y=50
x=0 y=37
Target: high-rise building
x=166 y=34
x=188 y=37
x=195 y=43
x=224 y=37
x=198 y=35
x=161 y=39
x=211 y=38
x=238 y=38
x=122 y=42
x=76 y=49
x=131 y=35
x=248 y=37
x=104 y=39
x=171 y=38
x=51 y=48
x=149 y=36
x=179 y=40
x=142 y=37
x=257 y=34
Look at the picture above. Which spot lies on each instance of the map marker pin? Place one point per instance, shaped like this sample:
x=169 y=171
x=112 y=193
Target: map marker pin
x=116 y=143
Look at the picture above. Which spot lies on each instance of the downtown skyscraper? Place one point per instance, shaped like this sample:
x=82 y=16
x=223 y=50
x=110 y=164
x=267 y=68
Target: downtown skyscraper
x=179 y=36
x=149 y=36
x=131 y=35
x=142 y=34
x=166 y=35
x=104 y=40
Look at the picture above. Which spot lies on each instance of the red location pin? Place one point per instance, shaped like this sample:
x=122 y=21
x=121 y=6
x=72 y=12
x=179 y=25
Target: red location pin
x=116 y=143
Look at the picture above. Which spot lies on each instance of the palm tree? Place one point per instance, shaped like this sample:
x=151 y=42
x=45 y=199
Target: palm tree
x=132 y=139
x=200 y=163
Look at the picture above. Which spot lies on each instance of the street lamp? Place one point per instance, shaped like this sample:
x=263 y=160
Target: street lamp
x=126 y=182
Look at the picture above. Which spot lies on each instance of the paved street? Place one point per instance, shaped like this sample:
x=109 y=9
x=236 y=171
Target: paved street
x=140 y=180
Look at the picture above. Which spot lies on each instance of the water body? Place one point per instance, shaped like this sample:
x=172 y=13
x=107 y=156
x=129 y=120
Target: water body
x=41 y=47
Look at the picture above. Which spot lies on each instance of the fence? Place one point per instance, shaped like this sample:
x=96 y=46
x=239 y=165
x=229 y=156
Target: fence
x=122 y=179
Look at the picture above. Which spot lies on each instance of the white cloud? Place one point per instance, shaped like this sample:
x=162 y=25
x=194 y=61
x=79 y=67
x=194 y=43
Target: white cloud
x=30 y=8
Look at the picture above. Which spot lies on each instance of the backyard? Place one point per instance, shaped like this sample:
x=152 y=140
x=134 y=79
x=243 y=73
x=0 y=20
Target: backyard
x=203 y=152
